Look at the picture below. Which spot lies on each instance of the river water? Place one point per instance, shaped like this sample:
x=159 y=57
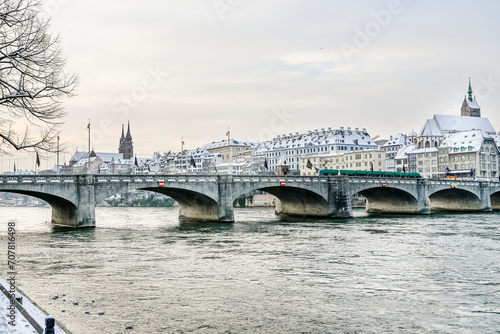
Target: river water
x=370 y=274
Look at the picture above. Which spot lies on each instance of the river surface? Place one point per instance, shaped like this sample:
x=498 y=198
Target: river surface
x=370 y=274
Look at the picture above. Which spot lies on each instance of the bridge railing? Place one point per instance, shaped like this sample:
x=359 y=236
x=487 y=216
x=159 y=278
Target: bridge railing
x=6 y=179
x=103 y=178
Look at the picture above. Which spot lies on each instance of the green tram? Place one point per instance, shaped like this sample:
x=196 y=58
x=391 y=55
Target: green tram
x=366 y=173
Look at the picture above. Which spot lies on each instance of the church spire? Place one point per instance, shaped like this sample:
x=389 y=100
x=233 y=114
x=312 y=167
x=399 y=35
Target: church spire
x=129 y=136
x=123 y=132
x=470 y=91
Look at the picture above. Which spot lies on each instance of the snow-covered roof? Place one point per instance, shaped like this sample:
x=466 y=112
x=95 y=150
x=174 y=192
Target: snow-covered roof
x=108 y=157
x=224 y=143
x=464 y=141
x=451 y=123
x=430 y=129
x=472 y=103
x=79 y=155
x=401 y=154
x=318 y=138
x=398 y=139
x=83 y=161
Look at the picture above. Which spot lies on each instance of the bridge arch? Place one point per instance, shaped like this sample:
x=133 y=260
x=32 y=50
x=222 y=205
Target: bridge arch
x=495 y=201
x=454 y=199
x=293 y=200
x=390 y=200
x=63 y=210
x=192 y=205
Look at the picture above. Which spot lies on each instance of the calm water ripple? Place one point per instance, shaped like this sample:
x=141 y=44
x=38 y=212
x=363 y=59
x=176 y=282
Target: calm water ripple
x=141 y=267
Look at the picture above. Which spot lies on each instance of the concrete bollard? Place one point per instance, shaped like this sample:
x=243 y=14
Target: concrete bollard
x=49 y=325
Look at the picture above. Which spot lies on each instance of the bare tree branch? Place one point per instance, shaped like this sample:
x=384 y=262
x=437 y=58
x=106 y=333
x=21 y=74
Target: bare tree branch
x=32 y=81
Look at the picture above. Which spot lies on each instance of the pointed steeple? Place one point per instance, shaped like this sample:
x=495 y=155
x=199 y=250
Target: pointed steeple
x=470 y=107
x=129 y=136
x=123 y=132
x=470 y=91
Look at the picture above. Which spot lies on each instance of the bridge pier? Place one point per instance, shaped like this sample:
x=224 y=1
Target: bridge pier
x=486 y=204
x=423 y=202
x=81 y=215
x=226 y=212
x=339 y=200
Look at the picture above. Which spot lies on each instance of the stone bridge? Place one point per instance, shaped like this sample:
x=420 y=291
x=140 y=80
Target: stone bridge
x=210 y=197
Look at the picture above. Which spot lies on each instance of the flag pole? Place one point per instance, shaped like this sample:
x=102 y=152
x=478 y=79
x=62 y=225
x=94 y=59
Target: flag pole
x=88 y=162
x=229 y=148
x=182 y=155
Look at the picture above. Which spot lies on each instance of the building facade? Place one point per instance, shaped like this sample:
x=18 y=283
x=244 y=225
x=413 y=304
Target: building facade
x=368 y=160
x=290 y=149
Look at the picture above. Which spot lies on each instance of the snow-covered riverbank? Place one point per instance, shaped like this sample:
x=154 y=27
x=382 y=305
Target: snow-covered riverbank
x=22 y=326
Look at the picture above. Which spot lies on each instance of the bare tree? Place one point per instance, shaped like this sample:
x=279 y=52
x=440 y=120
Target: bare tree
x=32 y=81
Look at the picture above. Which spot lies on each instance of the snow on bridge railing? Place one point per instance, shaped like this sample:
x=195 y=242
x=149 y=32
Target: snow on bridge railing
x=38 y=179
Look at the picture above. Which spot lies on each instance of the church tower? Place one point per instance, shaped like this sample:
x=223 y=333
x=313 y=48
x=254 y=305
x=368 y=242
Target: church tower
x=470 y=107
x=126 y=145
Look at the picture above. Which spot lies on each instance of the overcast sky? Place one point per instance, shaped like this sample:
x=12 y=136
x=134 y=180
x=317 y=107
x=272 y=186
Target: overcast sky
x=193 y=68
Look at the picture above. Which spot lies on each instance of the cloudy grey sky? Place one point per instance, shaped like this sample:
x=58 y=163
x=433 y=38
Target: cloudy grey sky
x=192 y=68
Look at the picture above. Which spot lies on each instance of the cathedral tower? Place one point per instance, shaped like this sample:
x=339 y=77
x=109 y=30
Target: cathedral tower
x=126 y=144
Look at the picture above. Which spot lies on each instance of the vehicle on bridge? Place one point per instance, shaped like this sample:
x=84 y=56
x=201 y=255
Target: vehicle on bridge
x=366 y=173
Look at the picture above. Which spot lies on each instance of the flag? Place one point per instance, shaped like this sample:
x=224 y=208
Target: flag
x=309 y=164
x=149 y=169
x=447 y=171
x=471 y=172
x=265 y=164
x=316 y=169
x=192 y=162
x=14 y=167
x=404 y=170
x=37 y=159
x=135 y=162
